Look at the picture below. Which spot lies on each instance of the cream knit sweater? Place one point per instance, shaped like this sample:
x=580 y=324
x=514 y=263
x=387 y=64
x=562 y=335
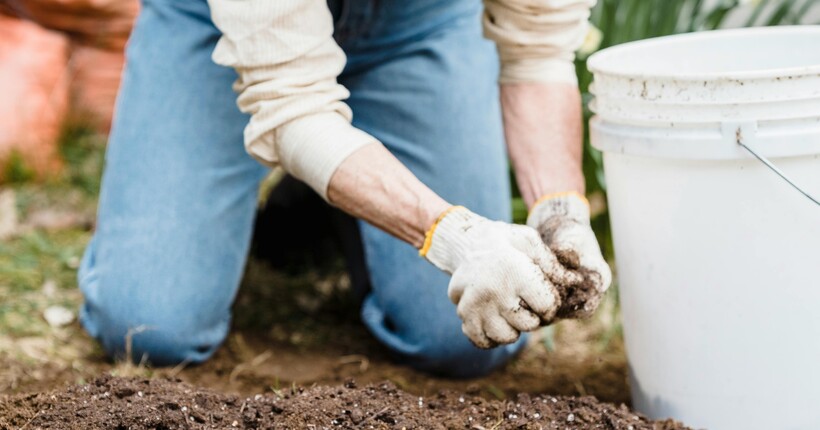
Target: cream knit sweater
x=288 y=61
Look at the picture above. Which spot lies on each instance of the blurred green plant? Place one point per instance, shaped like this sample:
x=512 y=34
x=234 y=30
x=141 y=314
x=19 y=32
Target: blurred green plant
x=82 y=149
x=27 y=263
x=620 y=21
x=15 y=170
x=35 y=257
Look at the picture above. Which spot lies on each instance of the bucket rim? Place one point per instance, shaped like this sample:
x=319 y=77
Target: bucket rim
x=596 y=60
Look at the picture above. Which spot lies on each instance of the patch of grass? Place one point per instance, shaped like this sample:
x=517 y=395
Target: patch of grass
x=15 y=170
x=38 y=267
x=82 y=149
x=75 y=188
x=27 y=263
x=34 y=257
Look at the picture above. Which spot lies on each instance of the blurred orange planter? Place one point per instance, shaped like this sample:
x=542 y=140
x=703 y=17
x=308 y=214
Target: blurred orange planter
x=59 y=60
x=34 y=84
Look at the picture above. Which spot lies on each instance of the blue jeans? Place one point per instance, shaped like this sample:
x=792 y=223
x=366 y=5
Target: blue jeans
x=179 y=192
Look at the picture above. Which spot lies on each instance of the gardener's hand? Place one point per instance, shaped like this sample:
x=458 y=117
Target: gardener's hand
x=503 y=276
x=563 y=222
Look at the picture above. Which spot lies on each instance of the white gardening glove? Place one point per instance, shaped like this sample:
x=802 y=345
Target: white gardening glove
x=563 y=222
x=503 y=275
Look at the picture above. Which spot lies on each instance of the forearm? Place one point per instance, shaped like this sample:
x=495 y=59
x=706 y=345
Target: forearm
x=543 y=129
x=536 y=42
x=373 y=185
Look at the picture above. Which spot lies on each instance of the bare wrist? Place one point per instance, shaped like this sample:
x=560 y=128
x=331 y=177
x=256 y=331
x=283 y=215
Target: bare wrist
x=431 y=214
x=373 y=185
x=534 y=186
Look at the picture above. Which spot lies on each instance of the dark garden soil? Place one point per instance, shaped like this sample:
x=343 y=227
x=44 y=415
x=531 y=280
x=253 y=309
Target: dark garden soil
x=307 y=332
x=136 y=403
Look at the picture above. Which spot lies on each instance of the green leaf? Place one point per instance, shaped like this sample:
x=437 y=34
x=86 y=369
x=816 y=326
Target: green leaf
x=519 y=210
x=804 y=10
x=781 y=14
x=757 y=12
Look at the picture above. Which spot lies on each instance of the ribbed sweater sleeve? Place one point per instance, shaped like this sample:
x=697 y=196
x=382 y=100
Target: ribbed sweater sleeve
x=537 y=39
x=287 y=64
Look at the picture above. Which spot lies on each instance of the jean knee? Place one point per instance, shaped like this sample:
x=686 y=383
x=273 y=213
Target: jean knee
x=456 y=357
x=146 y=335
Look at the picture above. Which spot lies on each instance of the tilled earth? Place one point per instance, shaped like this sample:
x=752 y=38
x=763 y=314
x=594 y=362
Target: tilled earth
x=134 y=403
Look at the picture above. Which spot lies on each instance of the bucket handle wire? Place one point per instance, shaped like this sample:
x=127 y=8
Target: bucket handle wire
x=772 y=167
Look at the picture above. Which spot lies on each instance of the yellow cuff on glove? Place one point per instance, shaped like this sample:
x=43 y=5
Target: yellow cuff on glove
x=428 y=236
x=551 y=196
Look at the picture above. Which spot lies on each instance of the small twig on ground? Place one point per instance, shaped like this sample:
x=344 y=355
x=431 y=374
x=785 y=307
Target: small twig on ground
x=187 y=417
x=498 y=424
x=361 y=424
x=497 y=392
x=30 y=420
x=364 y=362
x=178 y=368
x=129 y=340
x=127 y=367
x=241 y=367
x=580 y=387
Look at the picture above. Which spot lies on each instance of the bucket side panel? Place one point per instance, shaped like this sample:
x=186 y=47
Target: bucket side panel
x=719 y=270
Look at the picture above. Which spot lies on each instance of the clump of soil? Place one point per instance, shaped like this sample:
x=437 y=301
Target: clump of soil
x=581 y=300
x=119 y=403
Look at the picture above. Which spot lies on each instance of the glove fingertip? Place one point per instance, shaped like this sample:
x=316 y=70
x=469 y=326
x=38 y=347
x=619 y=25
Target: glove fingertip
x=477 y=337
x=553 y=269
x=562 y=275
x=568 y=257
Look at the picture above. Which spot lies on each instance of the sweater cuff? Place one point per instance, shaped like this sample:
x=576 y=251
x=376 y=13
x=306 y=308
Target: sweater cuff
x=538 y=70
x=312 y=147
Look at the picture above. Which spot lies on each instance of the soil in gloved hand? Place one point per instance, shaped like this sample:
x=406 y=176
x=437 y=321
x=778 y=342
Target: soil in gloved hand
x=577 y=300
x=109 y=403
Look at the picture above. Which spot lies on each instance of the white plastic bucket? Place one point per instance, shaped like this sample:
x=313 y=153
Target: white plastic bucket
x=718 y=258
